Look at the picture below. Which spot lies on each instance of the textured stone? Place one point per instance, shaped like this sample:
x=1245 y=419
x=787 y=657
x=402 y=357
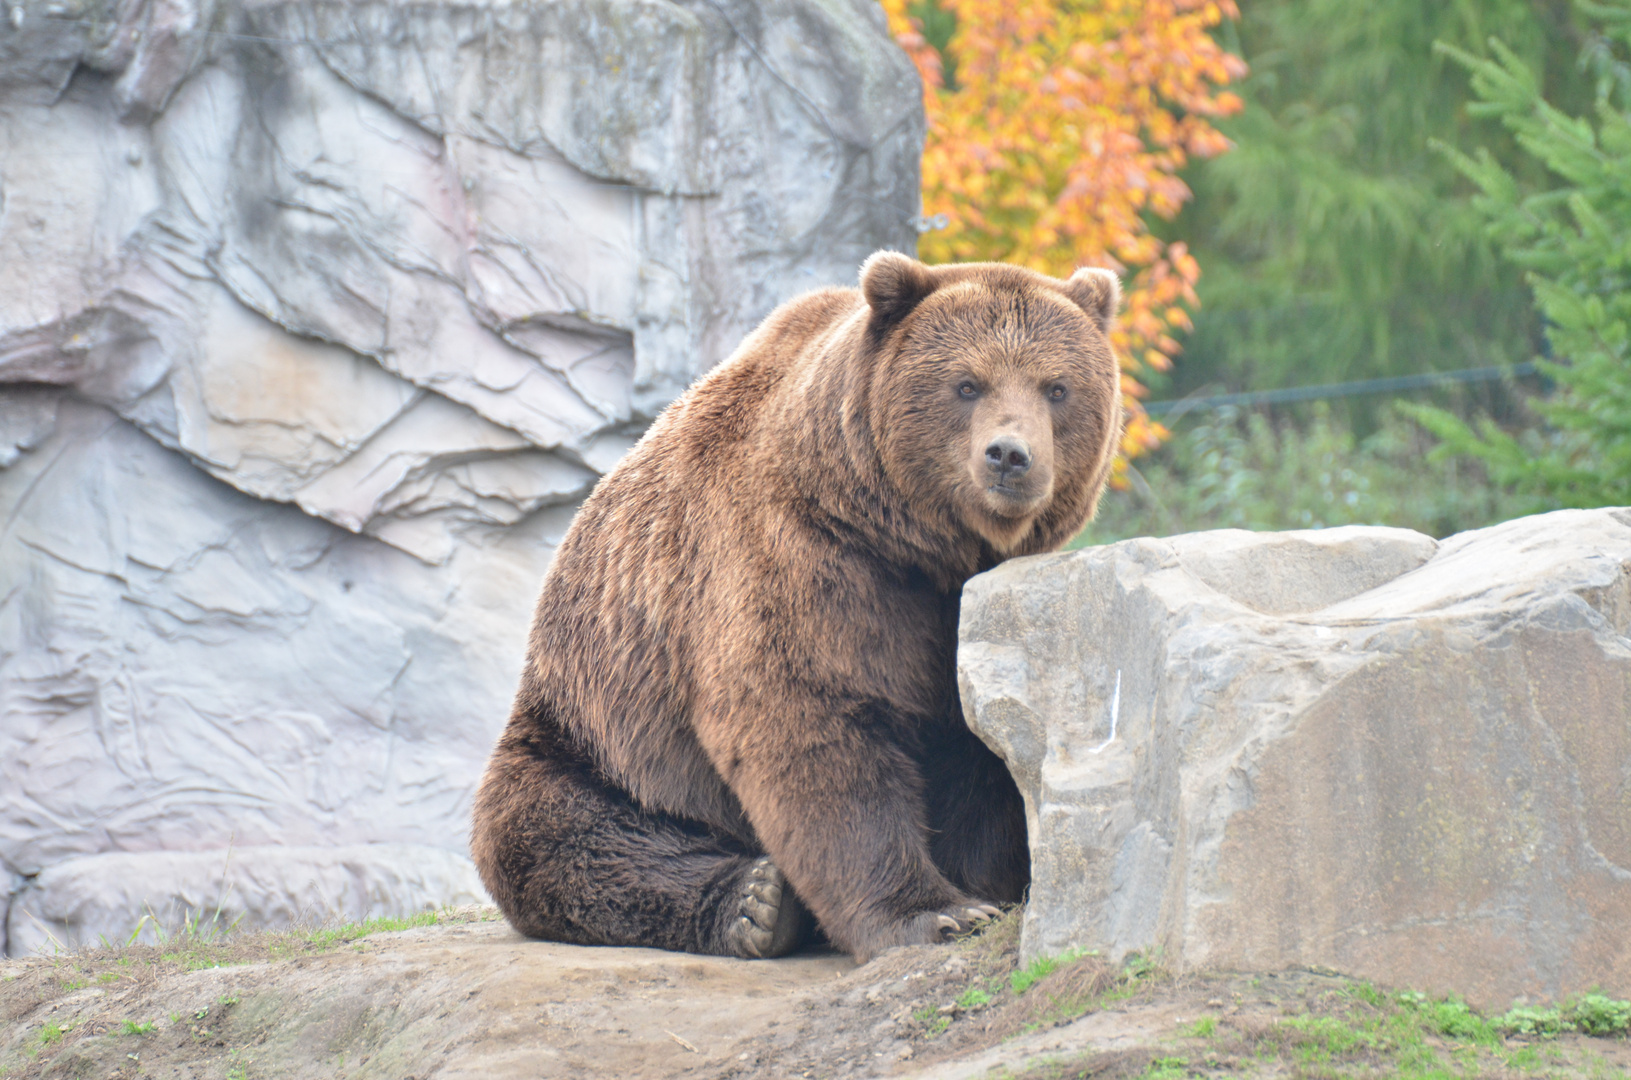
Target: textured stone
x=1354 y=748
x=554 y=214
x=184 y=667
x=317 y=320
x=88 y=900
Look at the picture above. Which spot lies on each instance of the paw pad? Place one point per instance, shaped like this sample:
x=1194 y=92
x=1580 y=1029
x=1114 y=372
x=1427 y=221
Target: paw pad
x=770 y=919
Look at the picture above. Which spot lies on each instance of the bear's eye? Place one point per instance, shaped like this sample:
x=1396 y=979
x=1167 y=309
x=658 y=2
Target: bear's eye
x=1057 y=393
x=968 y=390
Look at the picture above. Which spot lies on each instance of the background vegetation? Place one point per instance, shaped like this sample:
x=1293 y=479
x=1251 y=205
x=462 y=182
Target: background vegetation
x=1575 y=242
x=1252 y=470
x=1410 y=188
x=1336 y=243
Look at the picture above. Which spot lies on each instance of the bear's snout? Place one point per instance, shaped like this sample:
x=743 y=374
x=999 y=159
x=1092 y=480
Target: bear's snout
x=1008 y=456
x=1011 y=459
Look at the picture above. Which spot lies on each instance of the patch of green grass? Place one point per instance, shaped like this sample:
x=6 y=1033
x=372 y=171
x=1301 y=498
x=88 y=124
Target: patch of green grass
x=1412 y=1036
x=1368 y=994
x=1339 y=1030
x=1141 y=965
x=1167 y=1068
x=133 y=1027
x=1525 y=1058
x=1324 y=1038
x=202 y=955
x=1322 y=1045
x=975 y=996
x=1204 y=1028
x=933 y=1020
x=1040 y=968
x=52 y=1032
x=195 y=930
x=1452 y=1017
x=328 y=937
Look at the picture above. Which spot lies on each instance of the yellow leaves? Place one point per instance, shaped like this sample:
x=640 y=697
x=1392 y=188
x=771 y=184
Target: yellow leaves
x=1070 y=120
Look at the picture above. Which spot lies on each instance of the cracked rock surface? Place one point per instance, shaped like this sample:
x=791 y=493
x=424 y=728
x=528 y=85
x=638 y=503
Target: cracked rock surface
x=1357 y=749
x=317 y=320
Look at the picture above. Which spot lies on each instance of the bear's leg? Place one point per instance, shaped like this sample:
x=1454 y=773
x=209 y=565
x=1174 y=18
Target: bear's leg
x=569 y=858
x=841 y=809
x=976 y=818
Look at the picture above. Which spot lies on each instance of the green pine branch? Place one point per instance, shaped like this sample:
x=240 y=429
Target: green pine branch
x=1574 y=241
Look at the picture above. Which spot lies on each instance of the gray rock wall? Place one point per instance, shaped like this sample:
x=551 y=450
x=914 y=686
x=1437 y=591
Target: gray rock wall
x=316 y=321
x=1358 y=749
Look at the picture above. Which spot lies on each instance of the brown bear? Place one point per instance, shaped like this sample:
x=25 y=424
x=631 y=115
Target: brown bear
x=740 y=688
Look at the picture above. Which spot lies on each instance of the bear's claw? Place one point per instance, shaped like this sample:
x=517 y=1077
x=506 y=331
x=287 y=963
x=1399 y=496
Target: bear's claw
x=771 y=919
x=963 y=918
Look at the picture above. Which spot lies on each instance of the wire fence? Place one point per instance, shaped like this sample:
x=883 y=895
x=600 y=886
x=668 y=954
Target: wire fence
x=1391 y=385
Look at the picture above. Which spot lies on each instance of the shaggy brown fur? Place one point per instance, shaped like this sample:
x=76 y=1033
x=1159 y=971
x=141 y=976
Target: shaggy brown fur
x=741 y=670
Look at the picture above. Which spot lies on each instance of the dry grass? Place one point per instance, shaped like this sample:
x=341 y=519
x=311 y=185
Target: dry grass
x=994 y=948
x=997 y=999
x=29 y=984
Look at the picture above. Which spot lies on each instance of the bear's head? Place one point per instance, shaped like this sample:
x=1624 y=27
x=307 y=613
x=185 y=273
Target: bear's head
x=995 y=395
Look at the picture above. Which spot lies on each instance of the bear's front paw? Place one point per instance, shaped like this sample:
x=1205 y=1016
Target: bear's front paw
x=962 y=919
x=924 y=928
x=770 y=919
x=951 y=921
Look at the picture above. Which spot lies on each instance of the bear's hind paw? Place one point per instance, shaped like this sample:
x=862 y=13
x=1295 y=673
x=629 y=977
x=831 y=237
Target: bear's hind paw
x=771 y=919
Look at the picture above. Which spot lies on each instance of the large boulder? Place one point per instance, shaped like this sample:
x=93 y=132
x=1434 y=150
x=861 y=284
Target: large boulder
x=1354 y=748
x=317 y=320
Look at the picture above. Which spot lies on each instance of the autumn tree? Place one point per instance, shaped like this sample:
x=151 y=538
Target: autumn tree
x=1055 y=127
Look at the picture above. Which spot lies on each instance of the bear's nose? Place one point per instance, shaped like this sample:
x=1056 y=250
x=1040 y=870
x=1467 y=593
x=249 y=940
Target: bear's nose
x=1008 y=455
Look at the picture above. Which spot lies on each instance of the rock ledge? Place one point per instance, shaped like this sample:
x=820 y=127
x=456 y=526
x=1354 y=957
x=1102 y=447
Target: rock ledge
x=1355 y=749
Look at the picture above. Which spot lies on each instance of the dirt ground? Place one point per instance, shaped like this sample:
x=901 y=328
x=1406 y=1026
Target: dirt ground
x=467 y=997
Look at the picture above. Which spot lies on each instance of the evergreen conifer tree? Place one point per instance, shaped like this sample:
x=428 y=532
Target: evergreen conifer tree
x=1574 y=241
x=1335 y=245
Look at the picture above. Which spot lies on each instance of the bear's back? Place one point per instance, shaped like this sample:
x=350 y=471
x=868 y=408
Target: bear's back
x=614 y=648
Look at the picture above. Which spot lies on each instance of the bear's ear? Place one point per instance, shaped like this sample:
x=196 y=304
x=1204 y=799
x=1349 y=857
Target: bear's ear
x=1097 y=292
x=893 y=285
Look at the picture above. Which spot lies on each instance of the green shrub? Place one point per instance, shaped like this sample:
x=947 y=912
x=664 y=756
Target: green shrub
x=1592 y=1014
x=1244 y=471
x=1595 y=1014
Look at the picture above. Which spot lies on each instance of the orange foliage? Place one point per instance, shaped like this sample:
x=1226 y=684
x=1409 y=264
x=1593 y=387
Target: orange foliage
x=1067 y=121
